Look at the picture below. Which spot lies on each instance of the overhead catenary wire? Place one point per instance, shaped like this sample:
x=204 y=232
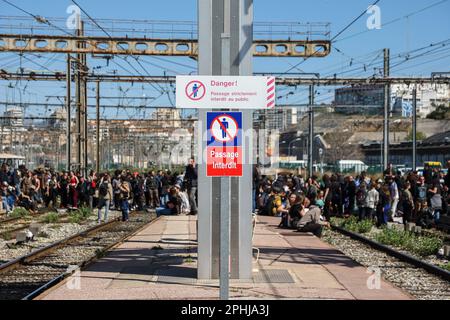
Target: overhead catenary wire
x=135 y=58
x=334 y=38
x=408 y=15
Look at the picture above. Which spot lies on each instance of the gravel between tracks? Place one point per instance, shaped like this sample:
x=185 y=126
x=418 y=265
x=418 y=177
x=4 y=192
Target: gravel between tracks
x=19 y=282
x=417 y=282
x=49 y=233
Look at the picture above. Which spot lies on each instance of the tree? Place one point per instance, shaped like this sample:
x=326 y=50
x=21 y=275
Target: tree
x=340 y=148
x=419 y=135
x=442 y=112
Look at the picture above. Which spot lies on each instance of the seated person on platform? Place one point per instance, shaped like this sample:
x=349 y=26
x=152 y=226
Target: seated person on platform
x=296 y=202
x=310 y=221
x=172 y=206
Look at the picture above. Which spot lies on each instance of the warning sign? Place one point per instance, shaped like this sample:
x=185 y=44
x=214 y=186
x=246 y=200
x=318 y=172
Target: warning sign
x=224 y=144
x=231 y=92
x=195 y=90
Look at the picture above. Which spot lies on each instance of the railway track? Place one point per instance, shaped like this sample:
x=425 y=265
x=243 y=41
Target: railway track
x=420 y=279
x=9 y=226
x=28 y=276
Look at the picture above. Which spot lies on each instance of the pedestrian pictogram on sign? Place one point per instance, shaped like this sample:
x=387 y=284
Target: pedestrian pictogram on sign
x=195 y=90
x=224 y=144
x=224 y=128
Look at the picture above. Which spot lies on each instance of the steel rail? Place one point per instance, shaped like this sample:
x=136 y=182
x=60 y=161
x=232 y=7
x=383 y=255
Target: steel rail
x=58 y=279
x=397 y=254
x=13 y=264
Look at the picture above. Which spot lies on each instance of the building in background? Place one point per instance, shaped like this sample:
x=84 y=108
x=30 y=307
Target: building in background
x=434 y=148
x=57 y=119
x=281 y=118
x=429 y=96
x=367 y=99
x=370 y=99
x=13 y=117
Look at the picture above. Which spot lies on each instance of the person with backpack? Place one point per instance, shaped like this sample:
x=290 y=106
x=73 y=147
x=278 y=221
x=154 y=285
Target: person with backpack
x=407 y=203
x=434 y=193
x=105 y=194
x=124 y=188
x=138 y=193
x=361 y=196
x=151 y=190
x=116 y=190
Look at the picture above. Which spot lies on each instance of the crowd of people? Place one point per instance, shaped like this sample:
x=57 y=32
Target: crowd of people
x=164 y=191
x=308 y=204
x=303 y=204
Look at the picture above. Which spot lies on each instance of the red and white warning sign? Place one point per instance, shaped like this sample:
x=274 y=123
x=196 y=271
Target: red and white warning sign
x=224 y=128
x=224 y=144
x=232 y=92
x=195 y=90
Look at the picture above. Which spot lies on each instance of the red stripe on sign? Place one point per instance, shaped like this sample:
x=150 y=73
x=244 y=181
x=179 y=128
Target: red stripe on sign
x=270 y=81
x=271 y=103
x=271 y=96
x=270 y=89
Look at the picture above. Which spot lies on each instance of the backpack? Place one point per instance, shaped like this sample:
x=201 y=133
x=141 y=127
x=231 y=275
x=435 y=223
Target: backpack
x=422 y=193
x=103 y=189
x=151 y=183
x=361 y=197
x=261 y=201
x=273 y=203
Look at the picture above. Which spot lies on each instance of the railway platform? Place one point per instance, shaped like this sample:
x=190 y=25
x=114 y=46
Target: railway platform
x=159 y=262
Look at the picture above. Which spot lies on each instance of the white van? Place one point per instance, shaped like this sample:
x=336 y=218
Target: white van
x=356 y=166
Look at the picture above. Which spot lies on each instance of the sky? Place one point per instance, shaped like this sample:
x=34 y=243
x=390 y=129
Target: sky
x=406 y=25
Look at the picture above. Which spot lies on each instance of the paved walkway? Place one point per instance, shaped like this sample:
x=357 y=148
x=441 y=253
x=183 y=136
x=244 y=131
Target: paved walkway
x=160 y=263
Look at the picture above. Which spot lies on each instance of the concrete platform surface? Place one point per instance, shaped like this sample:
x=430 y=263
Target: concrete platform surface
x=159 y=262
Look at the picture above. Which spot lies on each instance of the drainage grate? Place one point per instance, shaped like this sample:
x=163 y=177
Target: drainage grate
x=273 y=276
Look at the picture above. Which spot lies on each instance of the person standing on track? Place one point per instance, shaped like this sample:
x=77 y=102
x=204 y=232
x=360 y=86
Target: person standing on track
x=105 y=195
x=124 y=188
x=73 y=189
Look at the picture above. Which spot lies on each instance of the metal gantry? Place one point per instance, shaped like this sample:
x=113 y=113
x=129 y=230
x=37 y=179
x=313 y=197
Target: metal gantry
x=146 y=46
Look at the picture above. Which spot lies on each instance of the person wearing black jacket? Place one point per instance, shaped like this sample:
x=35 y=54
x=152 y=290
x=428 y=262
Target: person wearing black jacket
x=191 y=178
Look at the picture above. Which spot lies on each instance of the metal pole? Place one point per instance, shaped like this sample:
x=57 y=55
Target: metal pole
x=386 y=110
x=84 y=112
x=414 y=128
x=225 y=181
x=97 y=162
x=68 y=122
x=311 y=130
x=78 y=104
